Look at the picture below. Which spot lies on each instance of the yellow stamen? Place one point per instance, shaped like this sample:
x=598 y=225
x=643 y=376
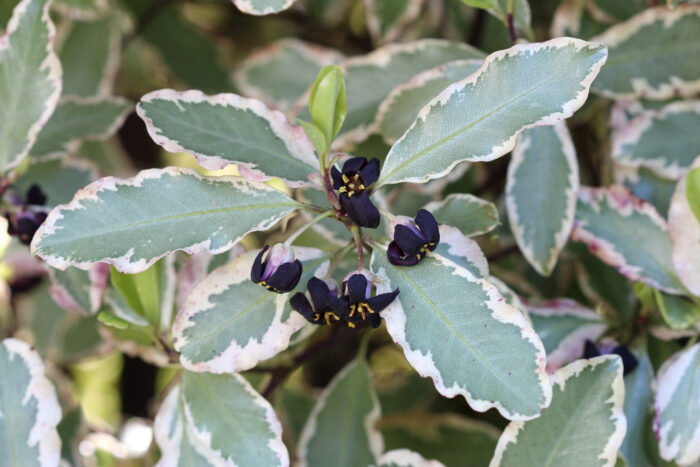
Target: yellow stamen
x=345 y=178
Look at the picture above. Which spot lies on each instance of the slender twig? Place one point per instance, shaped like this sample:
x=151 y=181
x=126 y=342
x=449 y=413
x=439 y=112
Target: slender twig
x=357 y=235
x=511 y=29
x=338 y=257
x=301 y=230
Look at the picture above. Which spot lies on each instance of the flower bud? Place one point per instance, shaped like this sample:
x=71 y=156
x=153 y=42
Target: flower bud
x=413 y=240
x=278 y=271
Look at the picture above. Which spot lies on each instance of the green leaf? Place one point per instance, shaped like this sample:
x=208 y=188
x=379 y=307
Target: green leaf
x=30 y=79
x=262 y=7
x=483 y=4
x=388 y=19
x=541 y=189
x=90 y=57
x=637 y=408
x=178 y=210
x=479 y=118
x=684 y=230
x=112 y=320
x=645 y=184
x=676 y=405
x=471 y=215
x=83 y=9
x=654 y=55
x=281 y=72
x=59 y=179
x=564 y=326
x=77 y=290
x=405 y=458
x=662 y=140
x=692 y=191
x=342 y=423
x=315 y=135
x=78 y=118
x=229 y=324
x=457 y=329
x=401 y=106
x=585 y=418
x=229 y=129
x=614 y=11
x=327 y=104
x=29 y=409
x=678 y=312
x=609 y=220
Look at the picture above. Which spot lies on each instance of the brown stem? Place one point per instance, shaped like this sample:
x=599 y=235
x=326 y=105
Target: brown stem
x=330 y=192
x=356 y=234
x=511 y=29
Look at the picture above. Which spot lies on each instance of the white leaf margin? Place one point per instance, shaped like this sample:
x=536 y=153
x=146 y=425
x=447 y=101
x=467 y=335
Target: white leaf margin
x=97 y=274
x=43 y=433
x=684 y=230
x=51 y=62
x=567 y=109
x=466 y=198
x=395 y=318
x=374 y=436
x=562 y=236
x=631 y=133
x=406 y=458
x=623 y=31
x=560 y=378
x=293 y=137
x=240 y=356
x=248 y=7
x=123 y=263
x=409 y=15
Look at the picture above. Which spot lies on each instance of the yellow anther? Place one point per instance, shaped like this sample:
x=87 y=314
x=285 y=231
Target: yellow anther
x=351 y=325
x=345 y=178
x=356 y=177
x=342 y=189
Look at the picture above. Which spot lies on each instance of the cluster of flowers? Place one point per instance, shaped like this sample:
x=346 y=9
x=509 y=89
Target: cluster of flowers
x=278 y=272
x=28 y=214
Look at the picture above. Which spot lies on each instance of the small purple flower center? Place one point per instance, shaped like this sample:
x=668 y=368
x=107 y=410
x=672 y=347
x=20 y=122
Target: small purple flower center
x=352 y=185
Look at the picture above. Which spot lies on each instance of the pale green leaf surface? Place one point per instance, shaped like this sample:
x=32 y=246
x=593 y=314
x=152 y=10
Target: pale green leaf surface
x=77 y=118
x=637 y=408
x=677 y=407
x=645 y=184
x=401 y=106
x=457 y=329
x=692 y=183
x=678 y=312
x=83 y=9
x=584 y=425
x=229 y=324
x=541 y=188
x=228 y=129
x=655 y=55
x=77 y=290
x=340 y=429
x=471 y=215
x=626 y=233
x=262 y=7
x=30 y=79
x=29 y=409
x=405 y=458
x=192 y=213
x=387 y=19
x=479 y=118
x=59 y=179
x=684 y=230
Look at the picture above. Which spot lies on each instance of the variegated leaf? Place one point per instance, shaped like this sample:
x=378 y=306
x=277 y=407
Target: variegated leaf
x=83 y=9
x=30 y=79
x=178 y=210
x=229 y=423
x=652 y=55
x=645 y=184
x=90 y=57
x=662 y=140
x=341 y=427
x=457 y=329
x=684 y=230
x=279 y=73
x=262 y=7
x=77 y=290
x=229 y=324
x=405 y=458
x=585 y=418
x=677 y=420
x=59 y=179
x=29 y=408
x=471 y=215
x=197 y=267
x=564 y=326
x=401 y=106
x=627 y=233
x=541 y=189
x=479 y=118
x=228 y=129
x=678 y=312
x=78 y=118
x=637 y=408
x=387 y=19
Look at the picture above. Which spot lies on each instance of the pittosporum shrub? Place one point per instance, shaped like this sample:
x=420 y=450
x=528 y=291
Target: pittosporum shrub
x=331 y=262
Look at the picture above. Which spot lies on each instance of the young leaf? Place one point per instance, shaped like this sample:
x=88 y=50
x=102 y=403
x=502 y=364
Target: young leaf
x=230 y=422
x=564 y=326
x=662 y=140
x=678 y=312
x=179 y=210
x=77 y=118
x=30 y=79
x=637 y=408
x=585 y=418
x=327 y=104
x=262 y=7
x=456 y=329
x=692 y=191
x=229 y=324
x=684 y=230
x=627 y=233
x=676 y=405
x=229 y=129
x=29 y=409
x=471 y=215
x=342 y=423
x=78 y=290
x=281 y=72
x=479 y=118
x=541 y=192
x=652 y=55
x=401 y=106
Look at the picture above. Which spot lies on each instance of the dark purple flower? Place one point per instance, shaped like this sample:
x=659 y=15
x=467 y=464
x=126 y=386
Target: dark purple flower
x=35 y=196
x=26 y=224
x=413 y=241
x=279 y=272
x=321 y=312
x=28 y=214
x=629 y=361
x=358 y=305
x=351 y=183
